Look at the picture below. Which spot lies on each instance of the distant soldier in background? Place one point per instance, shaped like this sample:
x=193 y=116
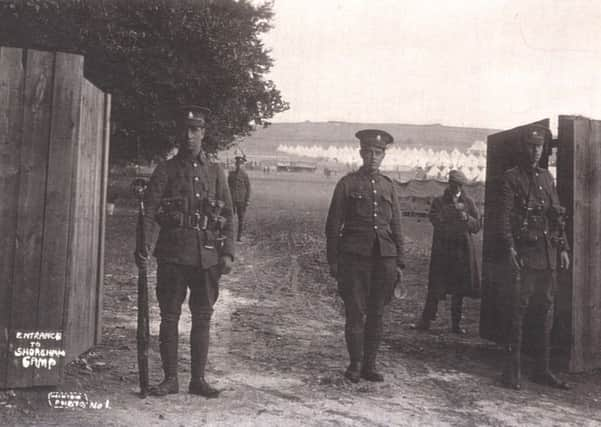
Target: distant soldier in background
x=188 y=199
x=534 y=235
x=240 y=188
x=365 y=252
x=454 y=267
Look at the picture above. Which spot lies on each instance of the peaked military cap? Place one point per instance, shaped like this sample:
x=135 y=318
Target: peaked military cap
x=535 y=134
x=193 y=115
x=241 y=159
x=374 y=138
x=457 y=177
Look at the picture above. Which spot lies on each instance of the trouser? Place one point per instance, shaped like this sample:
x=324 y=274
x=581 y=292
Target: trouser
x=532 y=291
x=431 y=308
x=366 y=285
x=240 y=211
x=173 y=281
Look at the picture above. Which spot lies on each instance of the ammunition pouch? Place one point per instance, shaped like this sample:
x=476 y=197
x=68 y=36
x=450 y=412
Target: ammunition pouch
x=531 y=229
x=172 y=212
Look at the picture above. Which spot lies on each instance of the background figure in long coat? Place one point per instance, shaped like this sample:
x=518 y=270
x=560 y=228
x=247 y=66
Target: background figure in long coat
x=454 y=266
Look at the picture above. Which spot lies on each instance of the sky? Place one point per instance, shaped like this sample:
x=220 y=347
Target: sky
x=490 y=63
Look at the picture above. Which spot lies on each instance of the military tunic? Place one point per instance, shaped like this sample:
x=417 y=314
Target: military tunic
x=529 y=222
x=535 y=189
x=363 y=232
x=364 y=216
x=187 y=184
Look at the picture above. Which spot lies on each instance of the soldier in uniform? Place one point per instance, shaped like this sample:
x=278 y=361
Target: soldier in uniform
x=534 y=236
x=240 y=189
x=189 y=201
x=453 y=264
x=365 y=252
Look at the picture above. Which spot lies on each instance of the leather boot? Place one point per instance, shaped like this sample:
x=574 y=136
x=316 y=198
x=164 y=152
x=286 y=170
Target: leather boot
x=456 y=308
x=168 y=338
x=373 y=337
x=512 y=372
x=542 y=373
x=354 y=345
x=199 y=350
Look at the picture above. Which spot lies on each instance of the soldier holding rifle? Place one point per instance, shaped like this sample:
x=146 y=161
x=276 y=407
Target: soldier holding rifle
x=534 y=236
x=189 y=201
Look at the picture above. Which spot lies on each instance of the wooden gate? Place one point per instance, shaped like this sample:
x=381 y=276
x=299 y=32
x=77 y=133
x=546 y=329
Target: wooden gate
x=54 y=136
x=577 y=327
x=579 y=186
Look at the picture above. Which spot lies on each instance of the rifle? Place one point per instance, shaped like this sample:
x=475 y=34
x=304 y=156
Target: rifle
x=139 y=187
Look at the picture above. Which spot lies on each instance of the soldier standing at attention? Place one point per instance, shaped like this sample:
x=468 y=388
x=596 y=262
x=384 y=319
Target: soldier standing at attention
x=453 y=264
x=189 y=200
x=365 y=252
x=534 y=235
x=240 y=189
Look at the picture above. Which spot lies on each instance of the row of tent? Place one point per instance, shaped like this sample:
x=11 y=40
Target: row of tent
x=434 y=164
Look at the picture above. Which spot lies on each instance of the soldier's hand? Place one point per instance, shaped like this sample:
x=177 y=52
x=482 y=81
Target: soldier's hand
x=565 y=260
x=334 y=270
x=225 y=263
x=515 y=259
x=141 y=257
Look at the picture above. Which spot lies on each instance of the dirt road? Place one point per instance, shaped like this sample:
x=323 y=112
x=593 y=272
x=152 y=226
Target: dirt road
x=278 y=351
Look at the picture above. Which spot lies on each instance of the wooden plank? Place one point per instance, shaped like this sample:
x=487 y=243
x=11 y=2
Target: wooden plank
x=32 y=188
x=11 y=116
x=580 y=250
x=95 y=150
x=68 y=77
x=78 y=303
x=106 y=117
x=73 y=320
x=593 y=291
x=562 y=329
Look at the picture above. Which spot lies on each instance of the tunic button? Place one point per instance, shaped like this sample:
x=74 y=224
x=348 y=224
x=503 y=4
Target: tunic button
x=375 y=227
x=375 y=191
x=540 y=187
x=197 y=195
x=375 y=203
x=195 y=164
x=196 y=178
x=373 y=181
x=375 y=214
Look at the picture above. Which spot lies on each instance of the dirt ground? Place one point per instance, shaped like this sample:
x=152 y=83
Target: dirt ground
x=278 y=351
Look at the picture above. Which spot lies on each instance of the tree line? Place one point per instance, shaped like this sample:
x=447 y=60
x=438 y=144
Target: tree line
x=153 y=55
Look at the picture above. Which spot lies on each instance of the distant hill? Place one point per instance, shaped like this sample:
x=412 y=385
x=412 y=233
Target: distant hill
x=434 y=136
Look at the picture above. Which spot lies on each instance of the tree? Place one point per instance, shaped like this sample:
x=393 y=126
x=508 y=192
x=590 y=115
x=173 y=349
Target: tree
x=153 y=55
